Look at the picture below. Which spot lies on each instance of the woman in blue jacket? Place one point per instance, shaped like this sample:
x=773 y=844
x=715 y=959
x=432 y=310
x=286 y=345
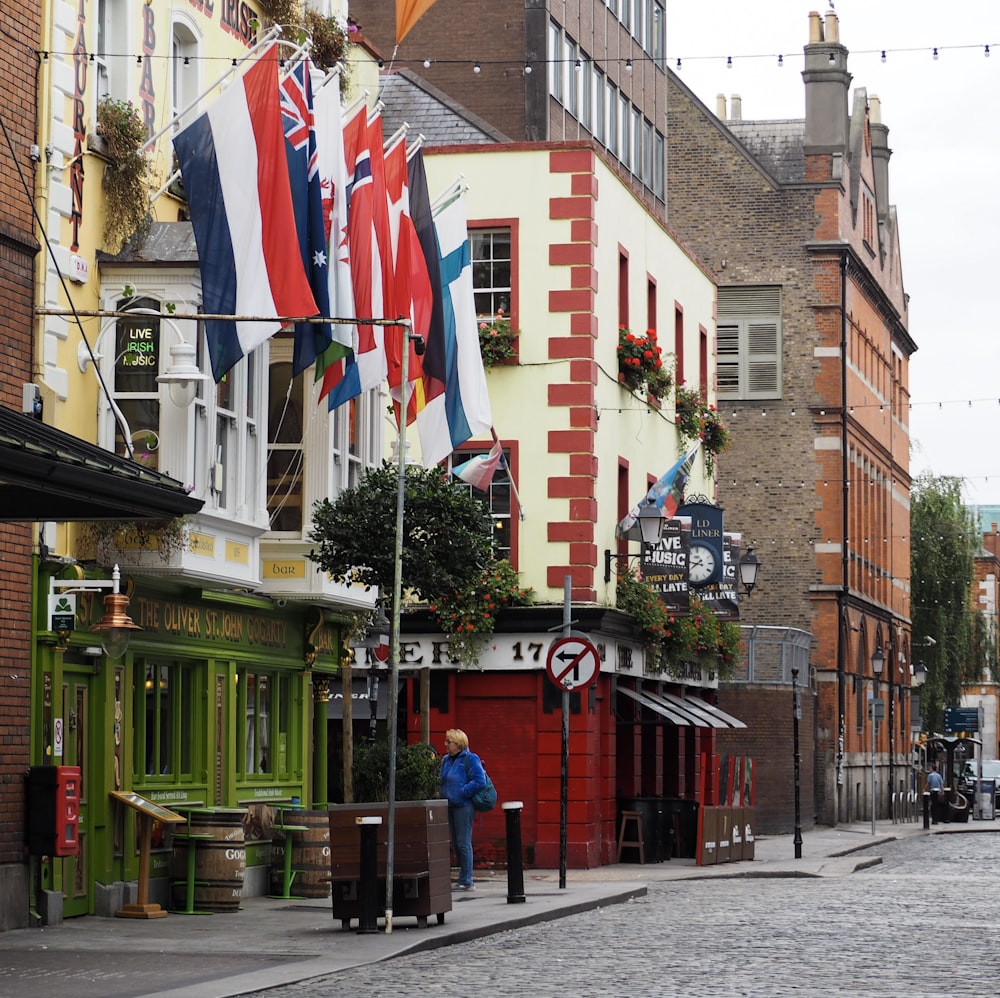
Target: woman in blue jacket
x=462 y=774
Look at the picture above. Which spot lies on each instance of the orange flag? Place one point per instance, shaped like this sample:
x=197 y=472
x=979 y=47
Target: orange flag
x=408 y=12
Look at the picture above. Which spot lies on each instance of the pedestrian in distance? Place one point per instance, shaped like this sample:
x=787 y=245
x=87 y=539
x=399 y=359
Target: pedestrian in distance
x=935 y=787
x=462 y=774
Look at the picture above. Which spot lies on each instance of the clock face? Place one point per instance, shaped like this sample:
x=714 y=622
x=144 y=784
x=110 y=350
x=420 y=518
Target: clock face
x=701 y=564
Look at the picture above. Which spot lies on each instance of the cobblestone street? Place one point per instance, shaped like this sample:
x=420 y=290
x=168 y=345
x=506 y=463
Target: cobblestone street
x=926 y=922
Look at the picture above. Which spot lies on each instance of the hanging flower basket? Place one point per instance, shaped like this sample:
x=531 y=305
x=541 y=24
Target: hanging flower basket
x=640 y=363
x=497 y=341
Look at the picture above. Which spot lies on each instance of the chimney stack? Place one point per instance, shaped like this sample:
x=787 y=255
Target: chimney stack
x=720 y=107
x=736 y=108
x=880 y=156
x=826 y=84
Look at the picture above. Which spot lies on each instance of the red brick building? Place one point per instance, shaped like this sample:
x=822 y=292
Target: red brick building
x=18 y=246
x=795 y=220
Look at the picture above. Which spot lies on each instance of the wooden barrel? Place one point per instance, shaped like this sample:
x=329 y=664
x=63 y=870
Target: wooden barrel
x=310 y=854
x=219 y=862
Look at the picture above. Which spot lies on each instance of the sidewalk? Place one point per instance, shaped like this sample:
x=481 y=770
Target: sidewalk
x=272 y=942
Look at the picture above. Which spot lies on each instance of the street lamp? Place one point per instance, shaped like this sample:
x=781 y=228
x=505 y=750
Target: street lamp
x=377 y=630
x=878 y=664
x=749 y=567
x=115 y=627
x=651 y=523
x=796 y=714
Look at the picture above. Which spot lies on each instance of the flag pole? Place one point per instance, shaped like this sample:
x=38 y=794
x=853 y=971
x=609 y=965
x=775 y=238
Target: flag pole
x=151 y=141
x=397 y=593
x=510 y=476
x=264 y=40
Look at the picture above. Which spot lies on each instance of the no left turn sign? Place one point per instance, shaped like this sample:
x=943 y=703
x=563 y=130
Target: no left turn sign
x=572 y=663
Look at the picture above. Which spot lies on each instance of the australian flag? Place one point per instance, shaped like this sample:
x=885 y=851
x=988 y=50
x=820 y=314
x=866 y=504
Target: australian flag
x=311 y=339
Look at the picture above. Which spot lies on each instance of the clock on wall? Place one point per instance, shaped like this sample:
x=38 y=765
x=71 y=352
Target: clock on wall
x=702 y=565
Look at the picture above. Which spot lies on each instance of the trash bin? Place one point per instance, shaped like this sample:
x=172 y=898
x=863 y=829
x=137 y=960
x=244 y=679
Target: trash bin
x=682 y=820
x=654 y=828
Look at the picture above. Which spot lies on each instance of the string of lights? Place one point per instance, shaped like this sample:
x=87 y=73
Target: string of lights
x=476 y=64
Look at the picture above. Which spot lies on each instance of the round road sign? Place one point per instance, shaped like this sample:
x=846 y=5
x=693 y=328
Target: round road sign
x=572 y=662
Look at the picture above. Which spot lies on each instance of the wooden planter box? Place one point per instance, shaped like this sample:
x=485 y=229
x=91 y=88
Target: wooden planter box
x=421 y=859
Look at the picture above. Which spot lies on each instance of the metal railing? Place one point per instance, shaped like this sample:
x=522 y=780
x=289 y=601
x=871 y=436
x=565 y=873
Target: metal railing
x=772 y=653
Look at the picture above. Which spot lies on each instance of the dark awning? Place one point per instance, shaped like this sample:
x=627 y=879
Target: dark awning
x=712 y=716
x=46 y=474
x=673 y=716
x=682 y=711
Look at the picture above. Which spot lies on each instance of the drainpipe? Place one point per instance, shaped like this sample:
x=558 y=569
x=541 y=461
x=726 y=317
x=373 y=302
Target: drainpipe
x=845 y=580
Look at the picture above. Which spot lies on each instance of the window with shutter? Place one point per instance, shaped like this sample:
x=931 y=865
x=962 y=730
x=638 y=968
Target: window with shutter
x=748 y=344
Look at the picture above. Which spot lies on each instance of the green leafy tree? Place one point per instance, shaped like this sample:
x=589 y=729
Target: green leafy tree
x=944 y=541
x=446 y=533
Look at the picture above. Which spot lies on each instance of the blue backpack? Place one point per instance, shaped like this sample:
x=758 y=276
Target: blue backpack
x=484 y=799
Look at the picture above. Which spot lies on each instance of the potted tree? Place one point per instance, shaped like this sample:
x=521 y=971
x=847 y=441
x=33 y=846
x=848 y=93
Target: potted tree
x=447 y=568
x=422 y=864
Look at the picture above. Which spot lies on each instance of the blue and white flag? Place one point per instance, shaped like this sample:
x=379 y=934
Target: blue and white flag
x=464 y=409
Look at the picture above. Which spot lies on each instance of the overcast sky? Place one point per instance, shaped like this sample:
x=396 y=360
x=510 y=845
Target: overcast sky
x=943 y=117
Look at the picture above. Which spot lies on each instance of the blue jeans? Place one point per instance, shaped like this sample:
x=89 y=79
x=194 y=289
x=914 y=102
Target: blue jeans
x=460 y=826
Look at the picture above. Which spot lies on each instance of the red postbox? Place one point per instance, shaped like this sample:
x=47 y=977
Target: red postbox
x=53 y=810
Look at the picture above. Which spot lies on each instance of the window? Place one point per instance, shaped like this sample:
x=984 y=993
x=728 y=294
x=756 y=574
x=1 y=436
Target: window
x=678 y=346
x=554 y=58
x=647 y=153
x=597 y=106
x=622 y=288
x=583 y=72
x=636 y=142
x=112 y=31
x=624 y=131
x=264 y=748
x=491 y=270
x=611 y=114
x=659 y=150
x=650 y=303
x=637 y=20
x=166 y=709
x=136 y=365
x=569 y=75
x=286 y=406
x=703 y=361
x=225 y=455
x=497 y=498
x=184 y=71
x=657 y=44
x=748 y=343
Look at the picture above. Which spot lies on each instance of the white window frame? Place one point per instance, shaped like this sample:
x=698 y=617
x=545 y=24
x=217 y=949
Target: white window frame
x=185 y=79
x=554 y=60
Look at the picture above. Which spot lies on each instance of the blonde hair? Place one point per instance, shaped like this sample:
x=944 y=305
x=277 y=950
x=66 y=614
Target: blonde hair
x=458 y=736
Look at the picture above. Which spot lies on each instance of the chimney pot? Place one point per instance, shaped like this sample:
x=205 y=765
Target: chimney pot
x=720 y=107
x=815 y=27
x=832 y=28
x=736 y=108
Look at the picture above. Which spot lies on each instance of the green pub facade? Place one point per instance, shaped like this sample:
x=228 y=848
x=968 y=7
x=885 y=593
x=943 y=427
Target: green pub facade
x=217 y=708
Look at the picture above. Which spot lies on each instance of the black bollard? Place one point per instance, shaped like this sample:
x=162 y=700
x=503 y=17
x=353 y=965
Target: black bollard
x=927 y=809
x=368 y=885
x=515 y=864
